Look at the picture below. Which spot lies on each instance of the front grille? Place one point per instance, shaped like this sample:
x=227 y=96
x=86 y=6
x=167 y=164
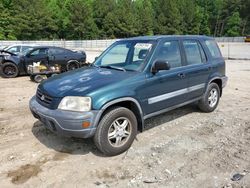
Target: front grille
x=43 y=98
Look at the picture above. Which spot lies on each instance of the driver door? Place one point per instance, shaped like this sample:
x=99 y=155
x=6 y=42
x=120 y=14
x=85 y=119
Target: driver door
x=37 y=55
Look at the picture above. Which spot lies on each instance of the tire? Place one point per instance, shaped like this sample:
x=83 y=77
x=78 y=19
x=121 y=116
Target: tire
x=38 y=78
x=72 y=65
x=9 y=70
x=211 y=98
x=120 y=140
x=32 y=78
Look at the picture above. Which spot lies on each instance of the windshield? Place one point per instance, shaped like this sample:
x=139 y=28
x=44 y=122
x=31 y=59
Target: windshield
x=125 y=55
x=21 y=50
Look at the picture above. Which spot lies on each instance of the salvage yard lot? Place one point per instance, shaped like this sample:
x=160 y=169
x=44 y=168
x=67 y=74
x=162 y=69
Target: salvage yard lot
x=184 y=147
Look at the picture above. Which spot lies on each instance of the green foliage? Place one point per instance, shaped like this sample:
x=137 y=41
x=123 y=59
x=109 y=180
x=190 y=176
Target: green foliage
x=100 y=19
x=168 y=17
x=233 y=25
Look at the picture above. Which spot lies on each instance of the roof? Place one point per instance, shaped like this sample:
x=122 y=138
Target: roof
x=23 y=45
x=157 y=37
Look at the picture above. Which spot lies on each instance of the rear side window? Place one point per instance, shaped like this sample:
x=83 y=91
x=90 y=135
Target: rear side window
x=56 y=51
x=194 y=52
x=213 y=48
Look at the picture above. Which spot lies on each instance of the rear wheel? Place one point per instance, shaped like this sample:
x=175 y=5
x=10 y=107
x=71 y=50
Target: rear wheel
x=210 y=100
x=116 y=131
x=9 y=70
x=72 y=65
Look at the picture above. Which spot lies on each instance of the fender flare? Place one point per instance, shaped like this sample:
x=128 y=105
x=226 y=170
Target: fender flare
x=215 y=78
x=115 y=101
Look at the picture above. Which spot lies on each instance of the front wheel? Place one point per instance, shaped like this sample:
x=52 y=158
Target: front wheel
x=116 y=131
x=211 y=98
x=9 y=70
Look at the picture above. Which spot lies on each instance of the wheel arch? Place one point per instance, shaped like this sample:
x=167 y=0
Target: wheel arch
x=72 y=61
x=127 y=102
x=218 y=81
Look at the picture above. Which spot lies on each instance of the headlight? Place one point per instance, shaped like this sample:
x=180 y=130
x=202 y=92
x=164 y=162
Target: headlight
x=79 y=104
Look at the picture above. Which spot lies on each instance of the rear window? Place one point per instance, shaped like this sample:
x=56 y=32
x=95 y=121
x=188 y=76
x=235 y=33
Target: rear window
x=213 y=48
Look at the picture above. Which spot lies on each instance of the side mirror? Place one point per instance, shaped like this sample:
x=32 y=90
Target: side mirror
x=28 y=55
x=160 y=65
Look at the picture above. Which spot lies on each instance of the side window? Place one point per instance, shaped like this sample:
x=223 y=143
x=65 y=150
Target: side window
x=56 y=51
x=213 y=48
x=170 y=51
x=41 y=51
x=116 y=55
x=26 y=49
x=194 y=52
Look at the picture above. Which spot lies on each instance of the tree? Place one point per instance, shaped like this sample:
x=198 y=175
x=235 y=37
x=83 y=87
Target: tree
x=101 y=8
x=233 y=25
x=91 y=19
x=121 y=21
x=144 y=13
x=81 y=23
x=168 y=18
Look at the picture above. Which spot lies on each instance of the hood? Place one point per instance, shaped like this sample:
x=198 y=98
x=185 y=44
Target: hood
x=4 y=52
x=82 y=81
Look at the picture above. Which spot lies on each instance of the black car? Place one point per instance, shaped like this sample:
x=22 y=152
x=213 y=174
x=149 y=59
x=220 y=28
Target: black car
x=13 y=65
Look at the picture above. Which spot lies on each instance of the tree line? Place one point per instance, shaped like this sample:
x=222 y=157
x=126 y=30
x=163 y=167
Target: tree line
x=102 y=19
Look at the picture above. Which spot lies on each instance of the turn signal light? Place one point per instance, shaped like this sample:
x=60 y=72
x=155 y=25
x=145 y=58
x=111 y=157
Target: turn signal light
x=85 y=124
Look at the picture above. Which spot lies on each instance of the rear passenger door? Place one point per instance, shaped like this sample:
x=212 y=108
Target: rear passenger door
x=197 y=67
x=57 y=56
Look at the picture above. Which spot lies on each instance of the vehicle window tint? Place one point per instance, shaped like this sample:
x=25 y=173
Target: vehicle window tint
x=26 y=48
x=170 y=51
x=14 y=49
x=116 y=55
x=213 y=48
x=41 y=51
x=56 y=51
x=194 y=52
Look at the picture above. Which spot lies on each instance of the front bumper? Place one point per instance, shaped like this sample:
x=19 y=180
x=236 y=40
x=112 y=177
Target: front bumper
x=66 y=123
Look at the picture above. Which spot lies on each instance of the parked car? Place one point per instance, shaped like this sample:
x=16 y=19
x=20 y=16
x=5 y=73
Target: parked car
x=20 y=48
x=133 y=80
x=247 y=39
x=13 y=65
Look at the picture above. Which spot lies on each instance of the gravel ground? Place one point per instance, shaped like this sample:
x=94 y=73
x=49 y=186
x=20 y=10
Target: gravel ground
x=181 y=148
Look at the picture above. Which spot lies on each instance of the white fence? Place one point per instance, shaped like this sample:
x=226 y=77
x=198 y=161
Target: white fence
x=231 y=47
x=71 y=44
x=230 y=39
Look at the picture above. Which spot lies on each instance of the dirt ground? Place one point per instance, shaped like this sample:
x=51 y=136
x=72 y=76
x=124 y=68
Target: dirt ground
x=181 y=148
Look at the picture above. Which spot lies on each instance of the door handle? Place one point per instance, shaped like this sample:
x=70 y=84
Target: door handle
x=181 y=75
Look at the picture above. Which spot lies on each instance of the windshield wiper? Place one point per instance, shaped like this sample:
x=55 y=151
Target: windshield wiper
x=113 y=67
